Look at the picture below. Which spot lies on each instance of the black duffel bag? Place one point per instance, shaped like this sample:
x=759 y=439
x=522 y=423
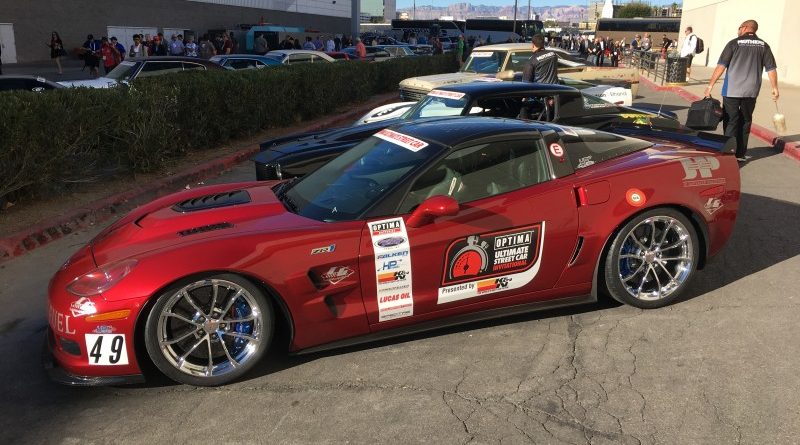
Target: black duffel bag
x=704 y=114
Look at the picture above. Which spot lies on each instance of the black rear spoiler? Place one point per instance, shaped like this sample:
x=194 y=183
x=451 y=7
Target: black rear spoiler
x=716 y=142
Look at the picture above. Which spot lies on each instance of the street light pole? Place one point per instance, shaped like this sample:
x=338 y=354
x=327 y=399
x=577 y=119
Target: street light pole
x=514 y=31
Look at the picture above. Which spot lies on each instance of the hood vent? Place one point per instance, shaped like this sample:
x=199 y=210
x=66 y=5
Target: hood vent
x=203 y=229
x=212 y=201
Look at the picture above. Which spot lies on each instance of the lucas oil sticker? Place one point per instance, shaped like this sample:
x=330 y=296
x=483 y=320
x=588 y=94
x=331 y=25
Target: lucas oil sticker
x=491 y=262
x=392 y=269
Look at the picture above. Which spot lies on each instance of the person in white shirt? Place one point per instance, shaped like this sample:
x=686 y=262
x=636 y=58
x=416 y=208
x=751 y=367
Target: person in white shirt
x=330 y=46
x=687 y=50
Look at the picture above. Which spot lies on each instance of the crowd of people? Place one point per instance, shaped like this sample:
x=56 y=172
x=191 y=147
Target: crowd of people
x=109 y=52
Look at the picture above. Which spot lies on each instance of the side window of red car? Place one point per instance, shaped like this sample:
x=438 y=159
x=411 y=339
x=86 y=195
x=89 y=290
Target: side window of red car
x=481 y=171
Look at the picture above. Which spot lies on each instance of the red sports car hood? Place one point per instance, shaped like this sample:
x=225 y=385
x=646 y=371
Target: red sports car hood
x=194 y=215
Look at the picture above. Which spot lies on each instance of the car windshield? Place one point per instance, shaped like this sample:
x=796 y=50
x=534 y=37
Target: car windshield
x=486 y=62
x=438 y=103
x=347 y=186
x=123 y=71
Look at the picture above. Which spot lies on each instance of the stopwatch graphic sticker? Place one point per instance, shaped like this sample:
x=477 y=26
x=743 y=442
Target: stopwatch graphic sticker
x=491 y=254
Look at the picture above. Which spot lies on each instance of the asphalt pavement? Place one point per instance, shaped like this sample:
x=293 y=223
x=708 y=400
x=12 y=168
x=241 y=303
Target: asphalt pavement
x=719 y=367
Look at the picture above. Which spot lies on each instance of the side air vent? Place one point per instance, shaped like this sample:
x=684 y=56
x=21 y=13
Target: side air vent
x=577 y=251
x=212 y=201
x=203 y=229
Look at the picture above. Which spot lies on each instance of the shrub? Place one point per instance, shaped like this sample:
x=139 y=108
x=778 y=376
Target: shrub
x=52 y=142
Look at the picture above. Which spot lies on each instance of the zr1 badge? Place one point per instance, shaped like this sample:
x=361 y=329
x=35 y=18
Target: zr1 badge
x=106 y=349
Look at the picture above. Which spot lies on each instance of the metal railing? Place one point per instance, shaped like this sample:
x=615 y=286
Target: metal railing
x=651 y=64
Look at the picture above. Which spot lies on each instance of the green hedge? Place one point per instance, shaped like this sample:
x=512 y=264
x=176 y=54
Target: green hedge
x=52 y=142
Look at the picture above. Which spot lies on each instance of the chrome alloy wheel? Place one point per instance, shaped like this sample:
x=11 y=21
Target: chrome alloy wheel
x=655 y=258
x=210 y=328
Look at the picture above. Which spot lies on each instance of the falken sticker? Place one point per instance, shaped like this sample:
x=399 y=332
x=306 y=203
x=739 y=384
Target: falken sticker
x=481 y=54
x=403 y=140
x=699 y=171
x=491 y=262
x=392 y=269
x=446 y=94
x=557 y=150
x=336 y=274
x=712 y=205
x=326 y=249
x=635 y=197
x=487 y=79
x=82 y=306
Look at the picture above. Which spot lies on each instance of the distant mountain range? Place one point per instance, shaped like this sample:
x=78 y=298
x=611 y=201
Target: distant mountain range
x=461 y=11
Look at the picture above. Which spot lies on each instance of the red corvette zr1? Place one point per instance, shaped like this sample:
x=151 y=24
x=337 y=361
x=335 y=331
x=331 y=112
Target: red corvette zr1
x=422 y=225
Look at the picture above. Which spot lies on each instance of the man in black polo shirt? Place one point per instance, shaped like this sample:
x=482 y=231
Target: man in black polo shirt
x=745 y=58
x=543 y=65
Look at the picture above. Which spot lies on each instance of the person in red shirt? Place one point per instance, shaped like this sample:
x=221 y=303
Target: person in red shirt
x=109 y=54
x=361 y=50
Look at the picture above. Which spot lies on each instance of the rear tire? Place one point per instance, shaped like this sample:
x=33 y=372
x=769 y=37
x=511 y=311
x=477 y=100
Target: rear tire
x=652 y=259
x=209 y=331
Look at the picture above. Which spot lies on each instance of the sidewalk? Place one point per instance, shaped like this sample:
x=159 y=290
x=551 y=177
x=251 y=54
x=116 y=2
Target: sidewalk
x=47 y=69
x=765 y=108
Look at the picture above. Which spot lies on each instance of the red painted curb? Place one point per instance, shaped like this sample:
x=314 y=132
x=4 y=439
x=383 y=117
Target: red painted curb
x=789 y=149
x=19 y=243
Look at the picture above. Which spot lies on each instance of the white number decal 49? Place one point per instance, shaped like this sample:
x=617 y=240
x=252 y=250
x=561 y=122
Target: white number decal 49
x=106 y=349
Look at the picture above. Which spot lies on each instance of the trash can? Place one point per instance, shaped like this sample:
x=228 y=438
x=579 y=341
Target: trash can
x=676 y=69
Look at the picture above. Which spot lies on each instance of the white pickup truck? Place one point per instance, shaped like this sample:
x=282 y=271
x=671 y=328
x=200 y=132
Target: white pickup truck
x=504 y=61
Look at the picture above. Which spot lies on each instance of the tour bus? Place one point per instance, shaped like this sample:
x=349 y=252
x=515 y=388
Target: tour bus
x=433 y=28
x=493 y=30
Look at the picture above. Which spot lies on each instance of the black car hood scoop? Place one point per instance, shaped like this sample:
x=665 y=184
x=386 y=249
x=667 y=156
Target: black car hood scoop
x=213 y=201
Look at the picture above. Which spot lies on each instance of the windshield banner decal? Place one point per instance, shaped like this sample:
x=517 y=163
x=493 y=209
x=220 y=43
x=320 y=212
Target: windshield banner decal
x=481 y=54
x=491 y=262
x=446 y=94
x=402 y=140
x=392 y=269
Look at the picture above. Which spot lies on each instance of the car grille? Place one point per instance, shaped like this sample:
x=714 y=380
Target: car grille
x=412 y=95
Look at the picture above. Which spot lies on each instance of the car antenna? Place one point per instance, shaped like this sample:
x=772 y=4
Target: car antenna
x=661 y=105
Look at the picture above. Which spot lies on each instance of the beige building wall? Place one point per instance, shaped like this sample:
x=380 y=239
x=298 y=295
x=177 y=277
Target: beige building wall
x=717 y=21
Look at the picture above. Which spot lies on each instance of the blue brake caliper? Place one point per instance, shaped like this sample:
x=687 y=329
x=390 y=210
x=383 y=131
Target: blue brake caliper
x=241 y=310
x=629 y=248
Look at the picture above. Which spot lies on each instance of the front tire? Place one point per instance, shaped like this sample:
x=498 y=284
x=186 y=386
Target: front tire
x=209 y=331
x=652 y=259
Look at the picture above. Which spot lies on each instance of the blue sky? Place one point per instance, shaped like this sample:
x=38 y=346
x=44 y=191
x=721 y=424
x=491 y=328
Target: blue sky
x=401 y=4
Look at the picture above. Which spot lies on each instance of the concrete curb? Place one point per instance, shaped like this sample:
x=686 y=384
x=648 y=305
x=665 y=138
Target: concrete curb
x=789 y=149
x=24 y=241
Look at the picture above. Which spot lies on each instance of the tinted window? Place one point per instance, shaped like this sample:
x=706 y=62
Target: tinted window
x=348 y=185
x=123 y=71
x=432 y=106
x=588 y=147
x=157 y=68
x=193 y=66
x=481 y=171
x=299 y=58
x=240 y=64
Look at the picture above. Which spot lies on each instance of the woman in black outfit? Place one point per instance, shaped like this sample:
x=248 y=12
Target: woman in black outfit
x=56 y=49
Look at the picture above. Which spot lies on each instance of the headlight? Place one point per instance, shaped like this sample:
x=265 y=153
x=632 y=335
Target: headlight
x=101 y=279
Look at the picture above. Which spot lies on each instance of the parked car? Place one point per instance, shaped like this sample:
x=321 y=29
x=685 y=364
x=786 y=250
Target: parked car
x=296 y=155
x=422 y=225
x=244 y=61
x=398 y=50
x=294 y=56
x=27 y=83
x=338 y=55
x=374 y=53
x=129 y=70
x=506 y=60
